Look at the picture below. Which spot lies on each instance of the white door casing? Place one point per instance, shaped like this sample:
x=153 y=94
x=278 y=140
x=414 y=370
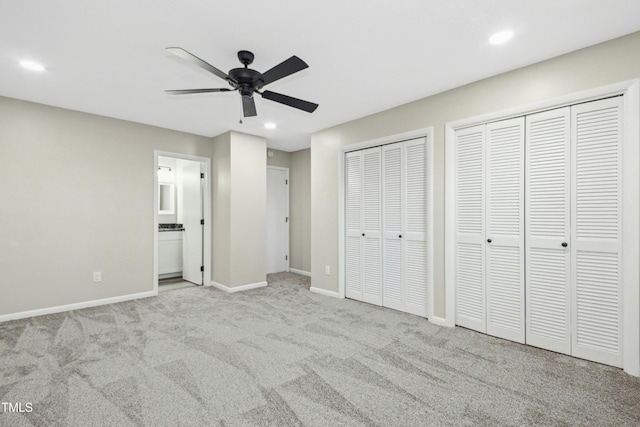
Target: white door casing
x=277 y=219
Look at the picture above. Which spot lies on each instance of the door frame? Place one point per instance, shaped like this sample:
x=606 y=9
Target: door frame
x=285 y=169
x=630 y=90
x=205 y=163
x=426 y=133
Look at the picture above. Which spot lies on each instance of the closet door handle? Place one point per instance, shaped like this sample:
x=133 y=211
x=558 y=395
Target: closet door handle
x=362 y=234
x=488 y=240
x=565 y=244
x=400 y=236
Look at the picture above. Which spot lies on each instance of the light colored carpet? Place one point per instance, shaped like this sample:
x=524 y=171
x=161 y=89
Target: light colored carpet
x=282 y=356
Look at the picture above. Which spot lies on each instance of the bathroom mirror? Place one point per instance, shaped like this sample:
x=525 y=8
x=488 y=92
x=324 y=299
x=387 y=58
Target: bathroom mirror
x=166 y=195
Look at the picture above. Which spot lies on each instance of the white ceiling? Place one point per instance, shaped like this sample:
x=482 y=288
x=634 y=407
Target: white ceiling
x=108 y=57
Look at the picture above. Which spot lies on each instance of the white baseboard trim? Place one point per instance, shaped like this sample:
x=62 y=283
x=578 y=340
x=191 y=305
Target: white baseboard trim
x=76 y=306
x=301 y=272
x=238 y=288
x=441 y=321
x=325 y=292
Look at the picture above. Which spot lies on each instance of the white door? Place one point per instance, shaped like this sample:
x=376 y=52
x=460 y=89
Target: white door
x=393 y=292
x=596 y=224
x=371 y=231
x=404 y=223
x=547 y=230
x=470 y=244
x=192 y=216
x=277 y=220
x=505 y=229
x=414 y=232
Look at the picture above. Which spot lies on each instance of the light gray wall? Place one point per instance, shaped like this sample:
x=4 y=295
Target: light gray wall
x=589 y=68
x=300 y=210
x=77 y=197
x=248 y=178
x=239 y=254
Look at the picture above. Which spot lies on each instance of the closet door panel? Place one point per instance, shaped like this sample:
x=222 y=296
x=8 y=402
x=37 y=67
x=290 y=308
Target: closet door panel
x=393 y=271
x=353 y=225
x=505 y=229
x=547 y=188
x=470 y=244
x=372 y=199
x=596 y=227
x=414 y=235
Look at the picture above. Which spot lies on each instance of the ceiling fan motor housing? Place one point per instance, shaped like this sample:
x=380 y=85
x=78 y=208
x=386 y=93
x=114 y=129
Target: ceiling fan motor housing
x=246 y=80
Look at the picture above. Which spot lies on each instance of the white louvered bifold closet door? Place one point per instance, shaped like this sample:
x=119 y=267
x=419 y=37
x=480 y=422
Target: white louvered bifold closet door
x=469 y=223
x=597 y=231
x=363 y=228
x=372 y=232
x=504 y=261
x=547 y=228
x=404 y=222
x=393 y=295
x=415 y=226
x=353 y=225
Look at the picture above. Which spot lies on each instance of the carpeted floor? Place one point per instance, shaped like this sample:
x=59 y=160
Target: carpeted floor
x=282 y=356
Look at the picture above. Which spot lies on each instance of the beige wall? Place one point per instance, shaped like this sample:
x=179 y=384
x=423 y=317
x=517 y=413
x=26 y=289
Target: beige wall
x=77 y=197
x=280 y=158
x=248 y=248
x=596 y=66
x=300 y=210
x=221 y=212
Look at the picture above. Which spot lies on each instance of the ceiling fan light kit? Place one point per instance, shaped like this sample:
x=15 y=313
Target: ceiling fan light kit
x=248 y=81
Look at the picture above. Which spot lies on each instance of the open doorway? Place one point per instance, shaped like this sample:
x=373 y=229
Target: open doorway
x=182 y=232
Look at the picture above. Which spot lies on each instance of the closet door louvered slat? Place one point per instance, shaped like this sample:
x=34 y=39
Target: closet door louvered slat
x=596 y=227
x=470 y=244
x=547 y=228
x=505 y=229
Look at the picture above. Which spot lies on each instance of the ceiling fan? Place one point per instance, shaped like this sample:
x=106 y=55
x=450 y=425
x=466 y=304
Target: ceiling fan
x=249 y=81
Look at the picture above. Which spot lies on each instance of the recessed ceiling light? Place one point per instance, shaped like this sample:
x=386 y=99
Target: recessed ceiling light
x=33 y=66
x=270 y=125
x=501 y=37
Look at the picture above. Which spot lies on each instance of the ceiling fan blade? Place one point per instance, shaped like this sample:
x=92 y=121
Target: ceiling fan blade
x=307 y=106
x=190 y=91
x=189 y=57
x=284 y=69
x=249 y=106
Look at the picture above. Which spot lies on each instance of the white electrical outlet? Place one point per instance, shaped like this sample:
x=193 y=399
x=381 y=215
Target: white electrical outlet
x=97 y=276
x=327 y=270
